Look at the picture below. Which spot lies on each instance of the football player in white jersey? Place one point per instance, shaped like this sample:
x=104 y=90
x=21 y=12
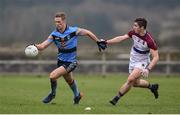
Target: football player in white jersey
x=140 y=63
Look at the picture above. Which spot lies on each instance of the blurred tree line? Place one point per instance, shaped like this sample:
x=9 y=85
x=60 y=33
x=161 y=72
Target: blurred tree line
x=30 y=21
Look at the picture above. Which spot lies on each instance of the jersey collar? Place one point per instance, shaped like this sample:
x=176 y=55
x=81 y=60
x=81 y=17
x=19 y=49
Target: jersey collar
x=64 y=30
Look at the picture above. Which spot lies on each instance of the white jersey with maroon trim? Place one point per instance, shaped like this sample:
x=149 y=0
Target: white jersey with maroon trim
x=140 y=51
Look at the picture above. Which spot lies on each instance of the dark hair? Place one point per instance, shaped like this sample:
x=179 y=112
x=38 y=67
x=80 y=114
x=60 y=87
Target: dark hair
x=62 y=15
x=141 y=22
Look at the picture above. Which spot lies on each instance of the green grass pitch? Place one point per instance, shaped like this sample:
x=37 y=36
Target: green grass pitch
x=22 y=94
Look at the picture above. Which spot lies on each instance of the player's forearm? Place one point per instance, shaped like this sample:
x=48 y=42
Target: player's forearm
x=153 y=62
x=117 y=39
x=114 y=40
x=43 y=45
x=40 y=46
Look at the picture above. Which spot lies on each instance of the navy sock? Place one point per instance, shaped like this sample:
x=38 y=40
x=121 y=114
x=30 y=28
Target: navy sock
x=117 y=97
x=74 y=88
x=53 y=86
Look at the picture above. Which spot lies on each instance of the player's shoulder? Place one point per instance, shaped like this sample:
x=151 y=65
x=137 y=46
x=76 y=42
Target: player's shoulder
x=150 y=41
x=73 y=28
x=149 y=35
x=54 y=32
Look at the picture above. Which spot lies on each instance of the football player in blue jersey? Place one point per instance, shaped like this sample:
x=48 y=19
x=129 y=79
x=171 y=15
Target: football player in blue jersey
x=65 y=39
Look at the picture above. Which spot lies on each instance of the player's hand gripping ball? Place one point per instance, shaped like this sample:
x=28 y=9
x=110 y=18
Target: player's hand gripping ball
x=31 y=51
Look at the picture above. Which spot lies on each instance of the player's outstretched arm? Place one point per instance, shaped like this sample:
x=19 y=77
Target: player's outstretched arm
x=117 y=39
x=84 y=32
x=44 y=44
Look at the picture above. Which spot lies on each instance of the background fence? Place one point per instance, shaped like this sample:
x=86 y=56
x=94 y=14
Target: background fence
x=167 y=65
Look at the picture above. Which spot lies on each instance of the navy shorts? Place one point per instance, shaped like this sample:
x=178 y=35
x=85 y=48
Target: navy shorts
x=69 y=66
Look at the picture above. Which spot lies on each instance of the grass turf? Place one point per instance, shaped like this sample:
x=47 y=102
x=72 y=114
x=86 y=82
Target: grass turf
x=22 y=94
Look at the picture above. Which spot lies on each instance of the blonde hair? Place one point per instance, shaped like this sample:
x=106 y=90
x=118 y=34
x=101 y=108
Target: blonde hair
x=62 y=15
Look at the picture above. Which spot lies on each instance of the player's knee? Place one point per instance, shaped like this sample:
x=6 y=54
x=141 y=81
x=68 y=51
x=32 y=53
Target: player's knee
x=53 y=75
x=131 y=80
x=70 y=81
x=135 y=84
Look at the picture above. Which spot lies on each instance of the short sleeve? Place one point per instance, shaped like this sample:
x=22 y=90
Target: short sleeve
x=152 y=45
x=130 y=33
x=50 y=40
x=151 y=42
x=75 y=29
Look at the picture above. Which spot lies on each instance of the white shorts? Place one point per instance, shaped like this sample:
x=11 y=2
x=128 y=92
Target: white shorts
x=141 y=65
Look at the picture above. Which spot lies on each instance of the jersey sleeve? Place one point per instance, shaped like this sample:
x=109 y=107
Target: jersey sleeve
x=130 y=33
x=151 y=43
x=51 y=39
x=75 y=29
